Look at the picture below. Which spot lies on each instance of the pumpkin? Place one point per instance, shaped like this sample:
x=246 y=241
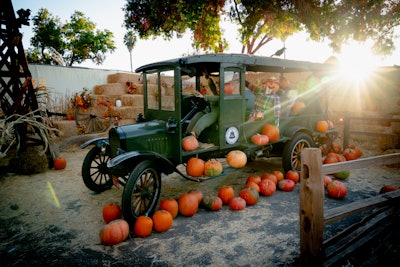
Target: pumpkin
x=226 y=193
x=259 y=139
x=197 y=193
x=237 y=203
x=271 y=131
x=250 y=195
x=253 y=178
x=279 y=175
x=342 y=175
x=162 y=221
x=195 y=167
x=330 y=159
x=143 y=226
x=293 y=175
x=212 y=203
x=336 y=189
x=297 y=107
x=170 y=205
x=388 y=188
x=350 y=154
x=212 y=167
x=336 y=148
x=111 y=211
x=188 y=204
x=267 y=187
x=270 y=176
x=115 y=232
x=236 y=159
x=253 y=185
x=286 y=185
x=228 y=88
x=322 y=126
x=190 y=143
x=59 y=163
x=327 y=180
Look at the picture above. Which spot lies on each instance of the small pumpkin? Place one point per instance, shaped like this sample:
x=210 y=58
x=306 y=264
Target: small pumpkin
x=236 y=159
x=115 y=232
x=59 y=163
x=267 y=187
x=190 y=143
x=336 y=148
x=226 y=193
x=170 y=205
x=188 y=204
x=195 y=167
x=286 y=185
x=279 y=175
x=271 y=131
x=197 y=193
x=293 y=175
x=250 y=195
x=143 y=226
x=336 y=189
x=350 y=154
x=212 y=203
x=237 y=203
x=253 y=185
x=327 y=180
x=212 y=167
x=162 y=221
x=253 y=178
x=343 y=175
x=297 y=107
x=269 y=176
x=322 y=126
x=388 y=188
x=111 y=211
x=259 y=139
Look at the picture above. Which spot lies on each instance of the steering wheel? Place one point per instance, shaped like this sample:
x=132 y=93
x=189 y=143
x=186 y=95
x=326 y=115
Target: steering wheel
x=201 y=104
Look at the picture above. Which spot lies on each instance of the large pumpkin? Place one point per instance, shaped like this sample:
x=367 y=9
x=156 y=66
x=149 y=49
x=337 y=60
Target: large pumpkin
x=212 y=167
x=267 y=187
x=143 y=226
x=190 y=143
x=250 y=195
x=115 y=232
x=162 y=220
x=271 y=131
x=170 y=205
x=195 y=167
x=236 y=159
x=111 y=211
x=226 y=193
x=188 y=204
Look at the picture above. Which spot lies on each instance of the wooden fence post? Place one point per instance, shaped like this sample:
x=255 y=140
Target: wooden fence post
x=346 y=130
x=311 y=208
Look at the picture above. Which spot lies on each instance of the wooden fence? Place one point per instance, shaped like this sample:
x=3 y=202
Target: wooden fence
x=314 y=250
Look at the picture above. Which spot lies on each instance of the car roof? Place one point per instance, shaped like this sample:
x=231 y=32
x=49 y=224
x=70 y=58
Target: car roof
x=252 y=63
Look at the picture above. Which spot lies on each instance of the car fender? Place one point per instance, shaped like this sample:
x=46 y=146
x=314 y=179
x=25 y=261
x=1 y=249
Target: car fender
x=289 y=132
x=100 y=142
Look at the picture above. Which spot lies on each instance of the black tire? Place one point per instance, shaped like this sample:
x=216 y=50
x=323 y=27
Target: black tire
x=291 y=154
x=141 y=192
x=95 y=173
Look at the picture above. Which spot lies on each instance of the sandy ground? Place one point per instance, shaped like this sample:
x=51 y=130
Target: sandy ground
x=52 y=219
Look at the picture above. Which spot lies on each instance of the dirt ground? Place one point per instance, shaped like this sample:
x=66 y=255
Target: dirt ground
x=52 y=219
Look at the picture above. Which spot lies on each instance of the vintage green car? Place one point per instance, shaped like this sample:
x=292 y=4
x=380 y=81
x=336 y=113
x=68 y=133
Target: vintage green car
x=175 y=93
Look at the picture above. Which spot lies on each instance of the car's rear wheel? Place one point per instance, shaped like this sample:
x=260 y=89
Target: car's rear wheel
x=142 y=191
x=291 y=154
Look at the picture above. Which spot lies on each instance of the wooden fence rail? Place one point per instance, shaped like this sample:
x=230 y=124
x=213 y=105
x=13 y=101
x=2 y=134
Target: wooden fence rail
x=314 y=251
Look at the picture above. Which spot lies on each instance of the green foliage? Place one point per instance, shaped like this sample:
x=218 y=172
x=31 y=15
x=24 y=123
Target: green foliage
x=75 y=41
x=261 y=21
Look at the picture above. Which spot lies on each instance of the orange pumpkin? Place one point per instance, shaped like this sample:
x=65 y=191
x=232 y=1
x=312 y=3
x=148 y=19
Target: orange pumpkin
x=212 y=203
x=236 y=159
x=197 y=193
x=143 y=226
x=270 y=176
x=226 y=193
x=170 y=205
x=111 y=211
x=321 y=126
x=271 y=131
x=190 y=143
x=195 y=167
x=115 y=232
x=297 y=107
x=267 y=187
x=212 y=167
x=279 y=175
x=228 y=88
x=254 y=178
x=293 y=175
x=188 y=204
x=250 y=195
x=254 y=186
x=260 y=139
x=162 y=221
x=237 y=203
x=59 y=163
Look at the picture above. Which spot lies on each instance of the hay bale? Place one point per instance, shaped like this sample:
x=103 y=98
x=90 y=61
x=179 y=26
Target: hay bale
x=30 y=161
x=127 y=112
x=123 y=78
x=111 y=89
x=67 y=128
x=132 y=100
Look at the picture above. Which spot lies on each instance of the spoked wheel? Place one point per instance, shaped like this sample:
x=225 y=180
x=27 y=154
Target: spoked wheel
x=291 y=154
x=92 y=119
x=141 y=191
x=95 y=173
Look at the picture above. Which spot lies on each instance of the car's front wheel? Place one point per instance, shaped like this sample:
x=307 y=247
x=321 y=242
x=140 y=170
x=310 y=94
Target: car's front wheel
x=291 y=154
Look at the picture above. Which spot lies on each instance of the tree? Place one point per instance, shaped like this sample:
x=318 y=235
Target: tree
x=75 y=41
x=263 y=20
x=130 y=41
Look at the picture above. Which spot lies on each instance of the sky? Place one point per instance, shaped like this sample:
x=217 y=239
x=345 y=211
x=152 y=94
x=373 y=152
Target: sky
x=109 y=15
